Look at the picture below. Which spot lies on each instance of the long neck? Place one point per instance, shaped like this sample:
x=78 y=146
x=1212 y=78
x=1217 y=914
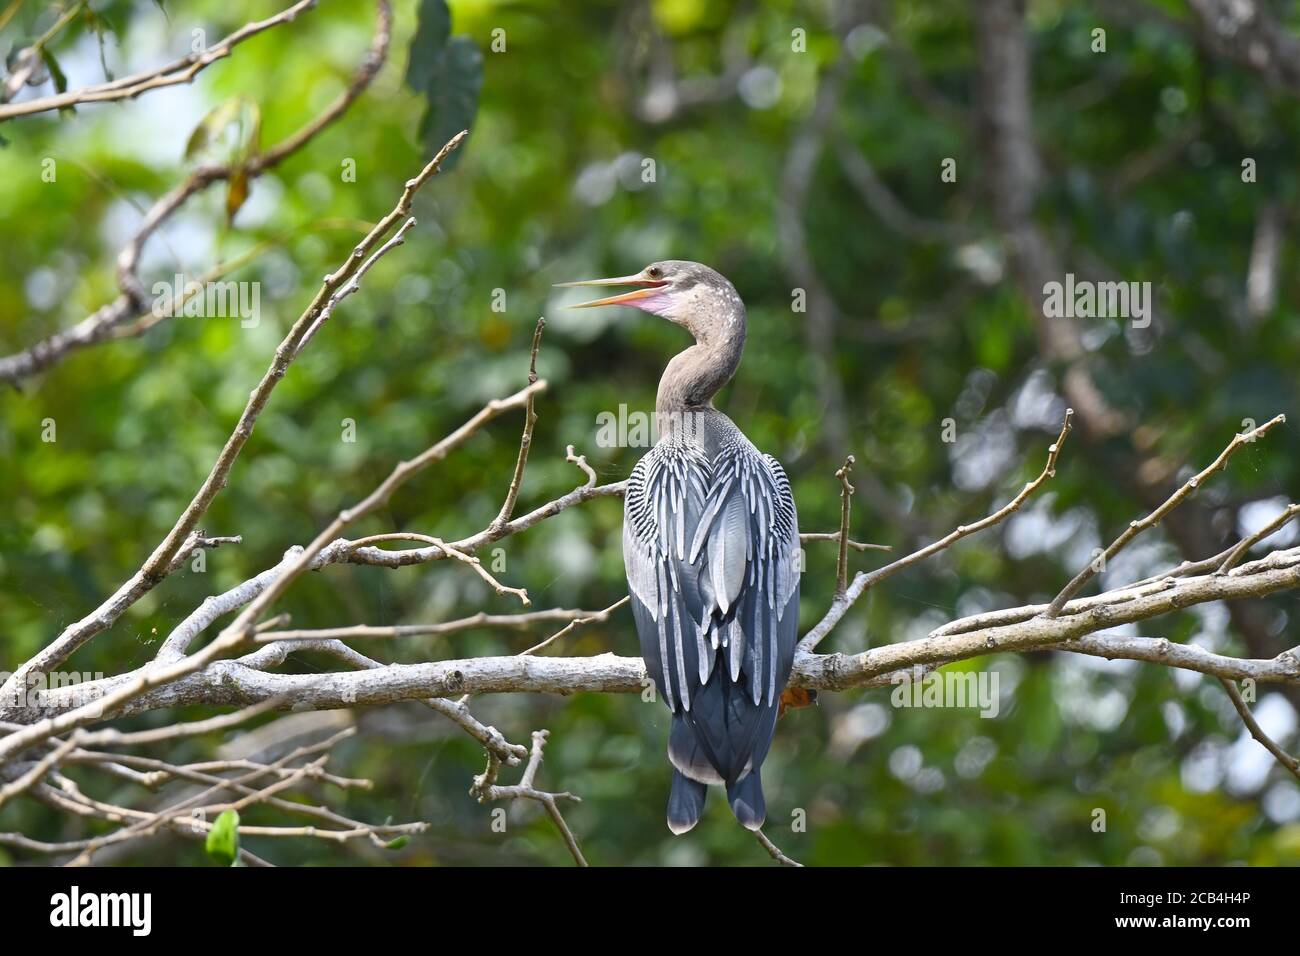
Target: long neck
x=694 y=376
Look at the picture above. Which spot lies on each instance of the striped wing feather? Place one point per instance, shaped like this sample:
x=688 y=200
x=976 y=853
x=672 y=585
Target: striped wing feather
x=710 y=552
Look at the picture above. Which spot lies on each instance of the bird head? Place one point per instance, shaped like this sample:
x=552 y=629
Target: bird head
x=687 y=293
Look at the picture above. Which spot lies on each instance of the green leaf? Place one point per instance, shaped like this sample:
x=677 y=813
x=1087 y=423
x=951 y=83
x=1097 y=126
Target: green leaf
x=240 y=113
x=397 y=843
x=211 y=127
x=237 y=193
x=431 y=32
x=56 y=74
x=222 y=843
x=251 y=128
x=452 y=95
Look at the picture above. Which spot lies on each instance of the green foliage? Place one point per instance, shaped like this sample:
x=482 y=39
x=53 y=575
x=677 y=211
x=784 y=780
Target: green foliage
x=448 y=71
x=222 y=843
x=551 y=191
x=431 y=33
x=231 y=134
x=236 y=123
x=56 y=73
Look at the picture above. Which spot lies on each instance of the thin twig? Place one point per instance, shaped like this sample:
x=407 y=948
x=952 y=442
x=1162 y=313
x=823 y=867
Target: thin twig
x=1237 y=553
x=485 y=788
x=440 y=628
x=475 y=564
x=133 y=302
x=180 y=71
x=865 y=581
x=581 y=462
x=164 y=556
x=238 y=683
x=846 y=505
x=164 y=817
x=110 y=737
x=526 y=441
x=809 y=536
x=1256 y=731
x=25 y=61
x=774 y=850
x=354 y=283
x=39 y=770
x=577 y=622
x=1155 y=517
x=154 y=568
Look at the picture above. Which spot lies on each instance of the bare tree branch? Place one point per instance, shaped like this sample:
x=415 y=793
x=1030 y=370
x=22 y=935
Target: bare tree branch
x=1256 y=731
x=479 y=620
x=158 y=564
x=774 y=850
x=862 y=582
x=180 y=71
x=46 y=732
x=1080 y=628
x=485 y=788
x=1155 y=517
x=133 y=301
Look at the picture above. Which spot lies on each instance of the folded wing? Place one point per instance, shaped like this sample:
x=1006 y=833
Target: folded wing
x=710 y=548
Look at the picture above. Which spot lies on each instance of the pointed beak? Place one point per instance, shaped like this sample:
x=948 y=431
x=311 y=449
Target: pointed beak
x=644 y=289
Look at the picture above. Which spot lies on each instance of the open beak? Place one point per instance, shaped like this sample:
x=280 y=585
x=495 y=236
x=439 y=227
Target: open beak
x=645 y=289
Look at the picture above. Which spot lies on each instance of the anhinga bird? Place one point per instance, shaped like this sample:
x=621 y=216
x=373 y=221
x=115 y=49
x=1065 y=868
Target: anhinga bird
x=710 y=541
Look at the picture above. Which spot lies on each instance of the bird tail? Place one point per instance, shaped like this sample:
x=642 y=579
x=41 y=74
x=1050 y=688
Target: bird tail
x=746 y=799
x=685 y=802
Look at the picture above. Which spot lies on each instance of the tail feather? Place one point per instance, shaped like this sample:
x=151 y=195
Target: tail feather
x=746 y=798
x=688 y=752
x=685 y=802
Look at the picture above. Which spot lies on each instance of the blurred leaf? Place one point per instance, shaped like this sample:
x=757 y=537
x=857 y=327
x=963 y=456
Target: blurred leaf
x=431 y=33
x=237 y=193
x=56 y=74
x=8 y=13
x=240 y=114
x=253 y=137
x=211 y=127
x=452 y=95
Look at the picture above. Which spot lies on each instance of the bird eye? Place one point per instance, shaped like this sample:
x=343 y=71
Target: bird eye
x=655 y=272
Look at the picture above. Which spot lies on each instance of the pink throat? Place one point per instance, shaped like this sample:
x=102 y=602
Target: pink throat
x=654 y=304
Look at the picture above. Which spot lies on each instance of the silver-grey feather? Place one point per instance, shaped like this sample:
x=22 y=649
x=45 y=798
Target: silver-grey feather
x=711 y=544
